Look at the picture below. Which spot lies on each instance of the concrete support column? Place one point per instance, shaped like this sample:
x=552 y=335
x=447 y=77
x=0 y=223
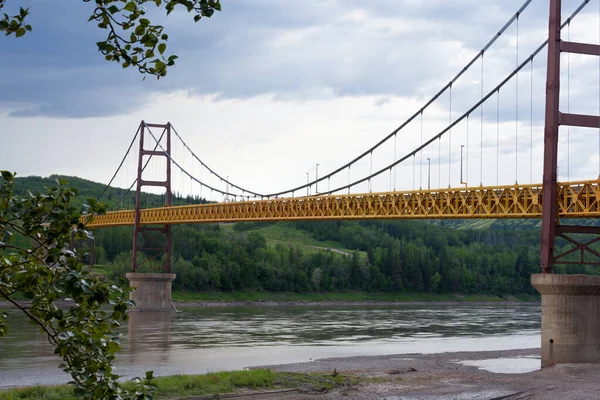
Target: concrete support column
x=570 y=318
x=152 y=291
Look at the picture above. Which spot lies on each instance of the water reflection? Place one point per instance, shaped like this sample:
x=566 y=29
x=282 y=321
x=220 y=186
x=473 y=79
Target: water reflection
x=198 y=340
x=148 y=334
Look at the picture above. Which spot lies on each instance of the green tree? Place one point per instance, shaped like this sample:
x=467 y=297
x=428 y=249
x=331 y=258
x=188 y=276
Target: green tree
x=131 y=39
x=45 y=271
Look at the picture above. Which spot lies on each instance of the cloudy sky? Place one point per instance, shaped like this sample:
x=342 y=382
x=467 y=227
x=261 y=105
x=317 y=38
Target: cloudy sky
x=266 y=89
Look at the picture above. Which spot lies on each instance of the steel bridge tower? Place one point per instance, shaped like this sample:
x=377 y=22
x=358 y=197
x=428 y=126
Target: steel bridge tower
x=153 y=290
x=570 y=303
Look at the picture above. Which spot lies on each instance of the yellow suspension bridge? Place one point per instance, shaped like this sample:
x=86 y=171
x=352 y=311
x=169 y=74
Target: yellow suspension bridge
x=575 y=200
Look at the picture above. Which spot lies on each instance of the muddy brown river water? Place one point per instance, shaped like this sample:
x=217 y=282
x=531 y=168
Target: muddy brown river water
x=202 y=339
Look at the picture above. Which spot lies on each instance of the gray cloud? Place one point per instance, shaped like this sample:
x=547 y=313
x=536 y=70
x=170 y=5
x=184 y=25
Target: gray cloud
x=318 y=49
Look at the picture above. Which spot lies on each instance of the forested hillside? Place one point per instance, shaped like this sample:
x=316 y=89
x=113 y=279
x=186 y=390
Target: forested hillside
x=476 y=256
x=114 y=198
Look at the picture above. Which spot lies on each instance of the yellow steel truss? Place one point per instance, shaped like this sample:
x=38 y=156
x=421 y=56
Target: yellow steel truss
x=575 y=200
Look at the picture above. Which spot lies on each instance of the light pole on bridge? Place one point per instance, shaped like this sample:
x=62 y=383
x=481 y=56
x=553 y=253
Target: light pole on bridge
x=317 y=179
x=307 y=182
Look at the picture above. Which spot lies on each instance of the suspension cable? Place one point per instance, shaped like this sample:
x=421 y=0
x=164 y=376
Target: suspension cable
x=135 y=180
x=531 y=125
x=395 y=158
x=370 y=172
x=467 y=153
x=209 y=186
x=209 y=169
x=120 y=164
x=414 y=172
x=349 y=185
x=517 y=107
x=426 y=105
x=421 y=153
x=469 y=111
x=481 y=131
x=439 y=162
x=497 y=137
x=450 y=139
x=568 y=104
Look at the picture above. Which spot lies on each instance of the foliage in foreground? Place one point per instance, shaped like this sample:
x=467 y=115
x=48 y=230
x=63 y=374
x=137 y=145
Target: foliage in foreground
x=131 y=39
x=45 y=271
x=198 y=385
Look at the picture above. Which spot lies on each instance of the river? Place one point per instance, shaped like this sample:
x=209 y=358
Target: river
x=202 y=339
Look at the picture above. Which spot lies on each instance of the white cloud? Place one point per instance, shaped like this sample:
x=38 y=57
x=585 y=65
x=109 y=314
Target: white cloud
x=265 y=91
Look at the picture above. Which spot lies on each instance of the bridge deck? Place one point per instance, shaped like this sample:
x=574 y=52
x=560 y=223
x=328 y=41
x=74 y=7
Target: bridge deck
x=575 y=200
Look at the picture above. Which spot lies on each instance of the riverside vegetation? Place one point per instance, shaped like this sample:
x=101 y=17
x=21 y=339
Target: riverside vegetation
x=467 y=257
x=178 y=386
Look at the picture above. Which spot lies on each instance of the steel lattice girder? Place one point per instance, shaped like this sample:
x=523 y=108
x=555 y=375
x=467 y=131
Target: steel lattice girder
x=575 y=200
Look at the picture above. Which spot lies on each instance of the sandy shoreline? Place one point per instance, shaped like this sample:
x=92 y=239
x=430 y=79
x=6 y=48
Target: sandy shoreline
x=442 y=376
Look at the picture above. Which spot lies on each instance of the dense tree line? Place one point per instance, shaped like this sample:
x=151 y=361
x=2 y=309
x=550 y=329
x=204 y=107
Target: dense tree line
x=470 y=256
x=385 y=256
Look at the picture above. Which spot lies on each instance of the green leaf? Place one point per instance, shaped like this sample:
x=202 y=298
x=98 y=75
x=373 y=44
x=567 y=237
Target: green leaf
x=20 y=32
x=130 y=6
x=162 y=47
x=7 y=175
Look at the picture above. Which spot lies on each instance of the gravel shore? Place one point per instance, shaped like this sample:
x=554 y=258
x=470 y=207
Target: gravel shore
x=443 y=376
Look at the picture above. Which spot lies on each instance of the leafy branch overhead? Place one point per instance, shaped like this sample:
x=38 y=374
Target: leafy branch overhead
x=132 y=39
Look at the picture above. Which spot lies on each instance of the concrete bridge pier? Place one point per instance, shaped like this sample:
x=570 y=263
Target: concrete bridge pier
x=152 y=291
x=570 y=318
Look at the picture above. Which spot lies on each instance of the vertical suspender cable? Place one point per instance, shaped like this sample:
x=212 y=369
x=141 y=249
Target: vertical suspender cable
x=414 y=173
x=439 y=161
x=348 y=179
x=481 y=132
x=568 y=103
x=498 y=137
x=395 y=157
x=175 y=180
x=371 y=172
x=421 y=162
x=450 y=139
x=467 y=154
x=517 y=107
x=531 y=125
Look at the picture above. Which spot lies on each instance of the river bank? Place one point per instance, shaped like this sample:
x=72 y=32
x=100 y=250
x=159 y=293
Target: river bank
x=308 y=303
x=349 y=298
x=452 y=375
x=455 y=376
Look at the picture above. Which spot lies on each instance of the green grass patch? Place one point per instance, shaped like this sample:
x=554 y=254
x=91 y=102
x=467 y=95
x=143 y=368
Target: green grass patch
x=197 y=385
x=285 y=234
x=255 y=296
